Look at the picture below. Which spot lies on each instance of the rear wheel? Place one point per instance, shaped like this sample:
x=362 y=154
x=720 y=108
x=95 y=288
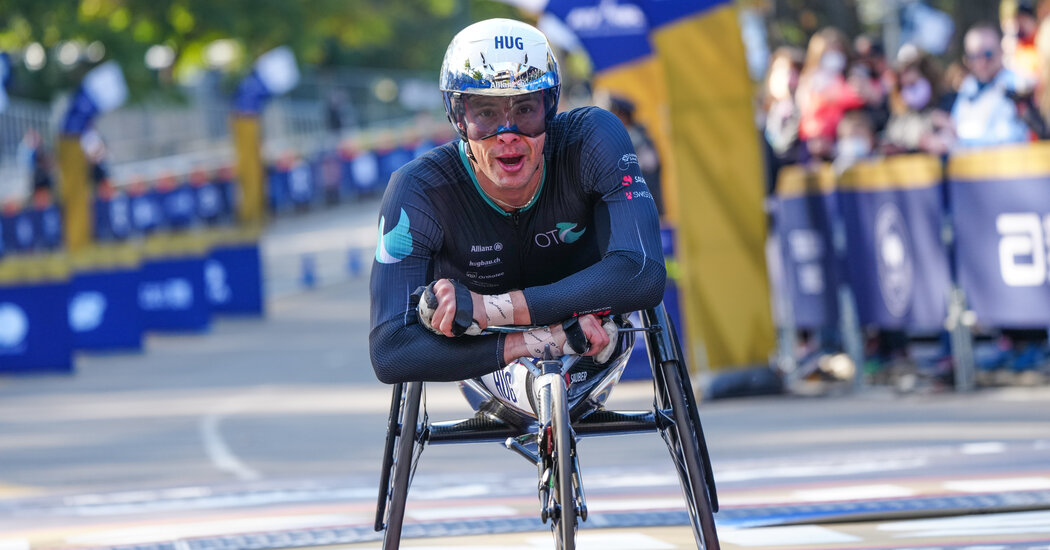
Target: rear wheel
x=564 y=524
x=407 y=445
x=683 y=443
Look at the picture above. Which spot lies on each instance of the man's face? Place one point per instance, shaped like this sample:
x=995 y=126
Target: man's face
x=983 y=54
x=509 y=161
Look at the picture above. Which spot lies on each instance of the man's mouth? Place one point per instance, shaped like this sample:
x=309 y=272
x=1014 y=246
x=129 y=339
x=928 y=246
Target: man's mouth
x=511 y=163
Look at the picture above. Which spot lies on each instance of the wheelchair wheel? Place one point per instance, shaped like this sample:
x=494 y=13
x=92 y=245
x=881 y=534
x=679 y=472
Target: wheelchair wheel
x=564 y=523
x=405 y=446
x=683 y=437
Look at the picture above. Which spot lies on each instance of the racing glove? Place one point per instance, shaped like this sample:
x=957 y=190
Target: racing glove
x=576 y=342
x=462 y=323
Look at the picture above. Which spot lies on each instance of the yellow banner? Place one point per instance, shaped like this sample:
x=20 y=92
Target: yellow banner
x=717 y=167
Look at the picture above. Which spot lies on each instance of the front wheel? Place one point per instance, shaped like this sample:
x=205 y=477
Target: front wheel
x=564 y=524
x=405 y=447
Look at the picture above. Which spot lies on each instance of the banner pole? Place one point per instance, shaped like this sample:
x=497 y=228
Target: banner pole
x=74 y=194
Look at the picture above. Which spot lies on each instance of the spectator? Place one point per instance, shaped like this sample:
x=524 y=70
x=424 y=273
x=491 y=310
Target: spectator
x=823 y=93
x=873 y=71
x=95 y=154
x=644 y=147
x=855 y=139
x=917 y=124
x=778 y=104
x=952 y=81
x=35 y=156
x=1042 y=90
x=984 y=113
x=1019 y=27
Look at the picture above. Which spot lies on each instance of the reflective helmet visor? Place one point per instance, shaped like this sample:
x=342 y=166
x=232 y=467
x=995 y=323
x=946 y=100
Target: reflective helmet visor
x=485 y=116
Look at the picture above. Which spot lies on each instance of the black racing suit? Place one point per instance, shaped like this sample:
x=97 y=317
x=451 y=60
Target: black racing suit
x=588 y=243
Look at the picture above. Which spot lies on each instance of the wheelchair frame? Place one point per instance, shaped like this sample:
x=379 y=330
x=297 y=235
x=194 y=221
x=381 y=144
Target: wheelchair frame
x=675 y=416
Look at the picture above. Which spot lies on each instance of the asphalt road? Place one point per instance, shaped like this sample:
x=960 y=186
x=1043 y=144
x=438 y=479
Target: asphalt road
x=267 y=434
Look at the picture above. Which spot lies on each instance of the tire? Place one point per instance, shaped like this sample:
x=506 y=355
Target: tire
x=683 y=441
x=401 y=469
x=564 y=524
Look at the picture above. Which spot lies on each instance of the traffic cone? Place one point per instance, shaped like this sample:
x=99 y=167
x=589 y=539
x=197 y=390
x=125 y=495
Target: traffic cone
x=308 y=276
x=354 y=263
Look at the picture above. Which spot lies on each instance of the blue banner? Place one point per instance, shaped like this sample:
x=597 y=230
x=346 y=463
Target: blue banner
x=146 y=215
x=896 y=263
x=104 y=311
x=613 y=33
x=19 y=234
x=805 y=210
x=301 y=183
x=277 y=181
x=171 y=294
x=233 y=279
x=34 y=327
x=47 y=225
x=113 y=218
x=361 y=173
x=1002 y=234
x=178 y=206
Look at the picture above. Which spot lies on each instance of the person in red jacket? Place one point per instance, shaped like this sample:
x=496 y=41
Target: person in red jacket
x=824 y=93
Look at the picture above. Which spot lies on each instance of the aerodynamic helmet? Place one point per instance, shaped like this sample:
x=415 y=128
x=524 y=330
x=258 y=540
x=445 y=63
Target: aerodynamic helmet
x=498 y=76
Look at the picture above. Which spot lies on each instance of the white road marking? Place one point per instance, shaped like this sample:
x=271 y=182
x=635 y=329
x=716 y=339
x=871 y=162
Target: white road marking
x=797 y=535
x=635 y=504
x=473 y=512
x=1017 y=523
x=455 y=491
x=215 y=446
x=983 y=448
x=854 y=492
x=998 y=485
x=14 y=544
x=607 y=541
x=820 y=470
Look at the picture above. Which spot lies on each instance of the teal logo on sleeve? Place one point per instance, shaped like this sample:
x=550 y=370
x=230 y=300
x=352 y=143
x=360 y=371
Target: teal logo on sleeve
x=396 y=244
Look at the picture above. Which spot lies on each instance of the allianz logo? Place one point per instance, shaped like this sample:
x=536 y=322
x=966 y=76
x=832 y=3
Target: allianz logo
x=86 y=311
x=14 y=327
x=219 y=291
x=608 y=16
x=171 y=294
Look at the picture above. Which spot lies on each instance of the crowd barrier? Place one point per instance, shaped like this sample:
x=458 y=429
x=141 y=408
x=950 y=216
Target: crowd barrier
x=332 y=175
x=165 y=257
x=903 y=233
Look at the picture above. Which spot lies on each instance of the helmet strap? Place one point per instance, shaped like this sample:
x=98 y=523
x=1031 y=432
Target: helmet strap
x=470 y=152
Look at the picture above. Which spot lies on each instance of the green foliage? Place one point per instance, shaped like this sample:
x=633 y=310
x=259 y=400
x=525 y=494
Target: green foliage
x=396 y=34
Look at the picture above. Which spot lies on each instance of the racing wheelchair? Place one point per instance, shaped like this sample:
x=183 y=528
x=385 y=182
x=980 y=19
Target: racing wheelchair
x=538 y=408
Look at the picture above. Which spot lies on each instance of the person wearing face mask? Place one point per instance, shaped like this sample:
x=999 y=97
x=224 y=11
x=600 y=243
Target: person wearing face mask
x=856 y=140
x=824 y=94
x=780 y=122
x=984 y=113
x=916 y=123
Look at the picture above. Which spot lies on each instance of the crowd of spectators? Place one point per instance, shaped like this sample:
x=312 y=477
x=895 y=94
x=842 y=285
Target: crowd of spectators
x=843 y=100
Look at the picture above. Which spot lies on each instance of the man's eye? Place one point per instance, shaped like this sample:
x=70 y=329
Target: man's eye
x=486 y=113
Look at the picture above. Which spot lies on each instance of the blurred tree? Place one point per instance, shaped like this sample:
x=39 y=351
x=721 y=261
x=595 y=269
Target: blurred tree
x=794 y=21
x=174 y=36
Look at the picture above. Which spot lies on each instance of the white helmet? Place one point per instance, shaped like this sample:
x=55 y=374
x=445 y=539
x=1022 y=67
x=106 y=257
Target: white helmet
x=499 y=58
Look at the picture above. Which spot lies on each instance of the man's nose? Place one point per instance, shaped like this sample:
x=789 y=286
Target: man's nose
x=508 y=137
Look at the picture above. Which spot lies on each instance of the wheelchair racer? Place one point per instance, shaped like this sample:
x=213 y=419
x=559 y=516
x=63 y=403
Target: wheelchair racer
x=533 y=218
